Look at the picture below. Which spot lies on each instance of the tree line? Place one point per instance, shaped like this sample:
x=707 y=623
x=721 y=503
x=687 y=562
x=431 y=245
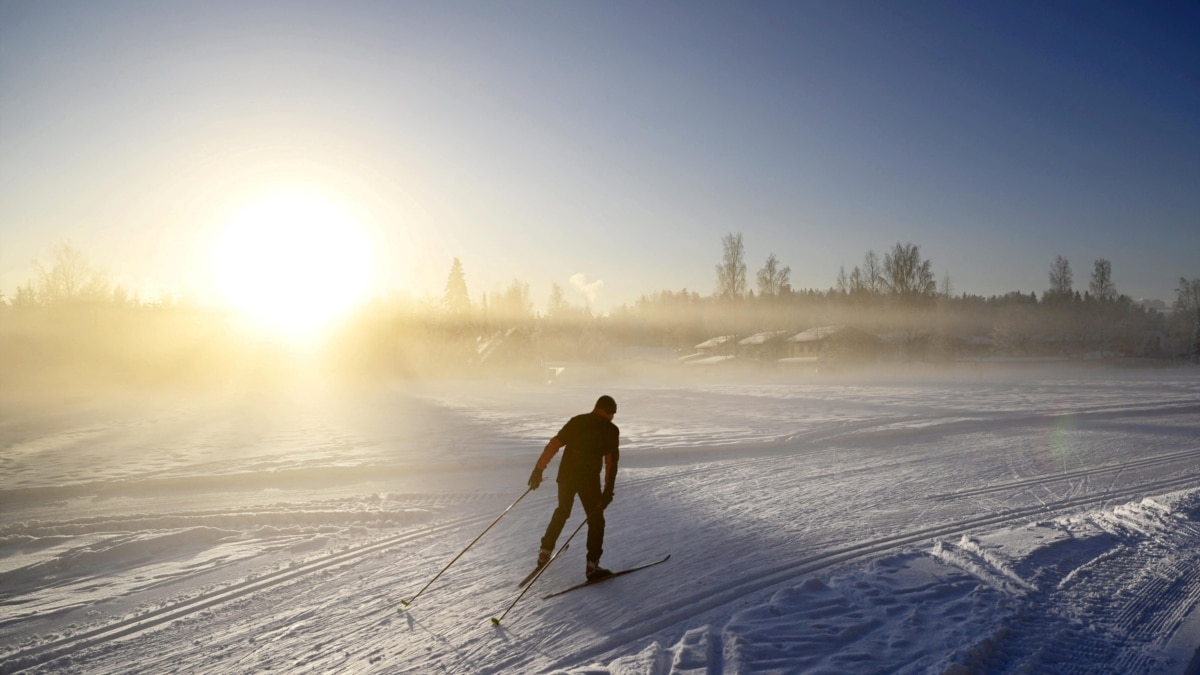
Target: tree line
x=69 y=279
x=893 y=294
x=898 y=293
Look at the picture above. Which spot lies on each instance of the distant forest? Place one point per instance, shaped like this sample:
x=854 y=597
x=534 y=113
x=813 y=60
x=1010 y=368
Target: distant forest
x=70 y=324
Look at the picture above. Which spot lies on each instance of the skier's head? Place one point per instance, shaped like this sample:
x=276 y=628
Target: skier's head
x=607 y=404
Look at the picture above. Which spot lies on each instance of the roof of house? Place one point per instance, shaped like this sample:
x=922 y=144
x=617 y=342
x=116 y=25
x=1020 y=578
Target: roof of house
x=713 y=343
x=762 y=338
x=815 y=334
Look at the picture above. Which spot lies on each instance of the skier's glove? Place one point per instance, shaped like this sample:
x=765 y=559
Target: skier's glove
x=606 y=498
x=535 y=478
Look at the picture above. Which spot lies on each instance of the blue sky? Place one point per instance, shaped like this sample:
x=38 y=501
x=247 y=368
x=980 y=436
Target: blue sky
x=617 y=140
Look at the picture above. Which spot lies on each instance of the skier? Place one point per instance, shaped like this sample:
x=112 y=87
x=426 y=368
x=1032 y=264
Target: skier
x=589 y=439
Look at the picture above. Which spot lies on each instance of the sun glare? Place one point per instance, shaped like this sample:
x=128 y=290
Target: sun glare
x=293 y=262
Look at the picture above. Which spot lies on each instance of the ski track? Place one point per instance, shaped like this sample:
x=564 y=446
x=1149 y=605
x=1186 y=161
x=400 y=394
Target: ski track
x=155 y=618
x=685 y=607
x=638 y=626
x=289 y=618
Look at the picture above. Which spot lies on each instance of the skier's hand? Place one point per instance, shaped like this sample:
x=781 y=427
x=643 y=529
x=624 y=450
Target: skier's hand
x=606 y=498
x=535 y=478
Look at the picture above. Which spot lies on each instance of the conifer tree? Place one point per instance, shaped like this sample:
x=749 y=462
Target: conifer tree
x=455 y=300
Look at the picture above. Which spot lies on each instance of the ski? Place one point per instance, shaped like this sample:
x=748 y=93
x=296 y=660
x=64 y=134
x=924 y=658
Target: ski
x=538 y=568
x=603 y=579
x=529 y=577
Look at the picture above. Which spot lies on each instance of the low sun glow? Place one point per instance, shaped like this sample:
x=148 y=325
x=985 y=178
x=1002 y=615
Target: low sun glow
x=292 y=262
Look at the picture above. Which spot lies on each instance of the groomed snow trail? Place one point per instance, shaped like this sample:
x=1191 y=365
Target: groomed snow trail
x=906 y=526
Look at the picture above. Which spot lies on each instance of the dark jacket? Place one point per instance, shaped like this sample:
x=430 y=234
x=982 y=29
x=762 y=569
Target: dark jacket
x=588 y=438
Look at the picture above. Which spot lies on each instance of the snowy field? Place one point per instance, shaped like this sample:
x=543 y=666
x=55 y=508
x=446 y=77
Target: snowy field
x=970 y=520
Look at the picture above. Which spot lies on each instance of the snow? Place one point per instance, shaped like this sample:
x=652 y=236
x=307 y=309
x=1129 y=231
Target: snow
x=973 y=519
x=814 y=334
x=762 y=338
x=713 y=343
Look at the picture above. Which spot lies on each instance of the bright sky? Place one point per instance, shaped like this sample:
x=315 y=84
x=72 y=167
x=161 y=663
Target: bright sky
x=614 y=140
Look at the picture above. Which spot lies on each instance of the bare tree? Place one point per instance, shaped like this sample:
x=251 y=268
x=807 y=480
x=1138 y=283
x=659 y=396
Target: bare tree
x=69 y=279
x=947 y=288
x=773 y=279
x=514 y=303
x=872 y=272
x=857 y=283
x=557 y=303
x=26 y=296
x=1102 y=287
x=731 y=273
x=1061 y=280
x=906 y=274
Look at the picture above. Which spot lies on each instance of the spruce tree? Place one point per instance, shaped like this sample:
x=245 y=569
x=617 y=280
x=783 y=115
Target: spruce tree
x=455 y=300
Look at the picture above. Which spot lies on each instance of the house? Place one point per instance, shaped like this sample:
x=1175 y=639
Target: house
x=808 y=345
x=767 y=346
x=827 y=343
x=702 y=360
x=976 y=346
x=722 y=344
x=712 y=351
x=505 y=349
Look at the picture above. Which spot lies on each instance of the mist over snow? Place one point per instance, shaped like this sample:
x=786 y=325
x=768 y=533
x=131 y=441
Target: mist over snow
x=972 y=519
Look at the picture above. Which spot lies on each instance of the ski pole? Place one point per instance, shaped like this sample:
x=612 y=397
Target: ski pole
x=497 y=619
x=408 y=602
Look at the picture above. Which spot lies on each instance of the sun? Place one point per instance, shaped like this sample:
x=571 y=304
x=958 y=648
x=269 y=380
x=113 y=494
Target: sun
x=293 y=262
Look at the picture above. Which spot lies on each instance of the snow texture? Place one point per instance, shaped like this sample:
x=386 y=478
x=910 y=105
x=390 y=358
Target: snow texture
x=977 y=521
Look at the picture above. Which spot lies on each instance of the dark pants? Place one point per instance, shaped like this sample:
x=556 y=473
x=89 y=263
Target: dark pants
x=589 y=496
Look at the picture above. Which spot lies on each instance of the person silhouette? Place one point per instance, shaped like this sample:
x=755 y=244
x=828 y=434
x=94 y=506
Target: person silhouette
x=591 y=439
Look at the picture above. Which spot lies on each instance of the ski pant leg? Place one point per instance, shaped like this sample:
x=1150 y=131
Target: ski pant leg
x=589 y=496
x=566 y=499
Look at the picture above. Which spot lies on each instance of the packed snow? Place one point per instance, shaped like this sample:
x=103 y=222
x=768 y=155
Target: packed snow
x=968 y=519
